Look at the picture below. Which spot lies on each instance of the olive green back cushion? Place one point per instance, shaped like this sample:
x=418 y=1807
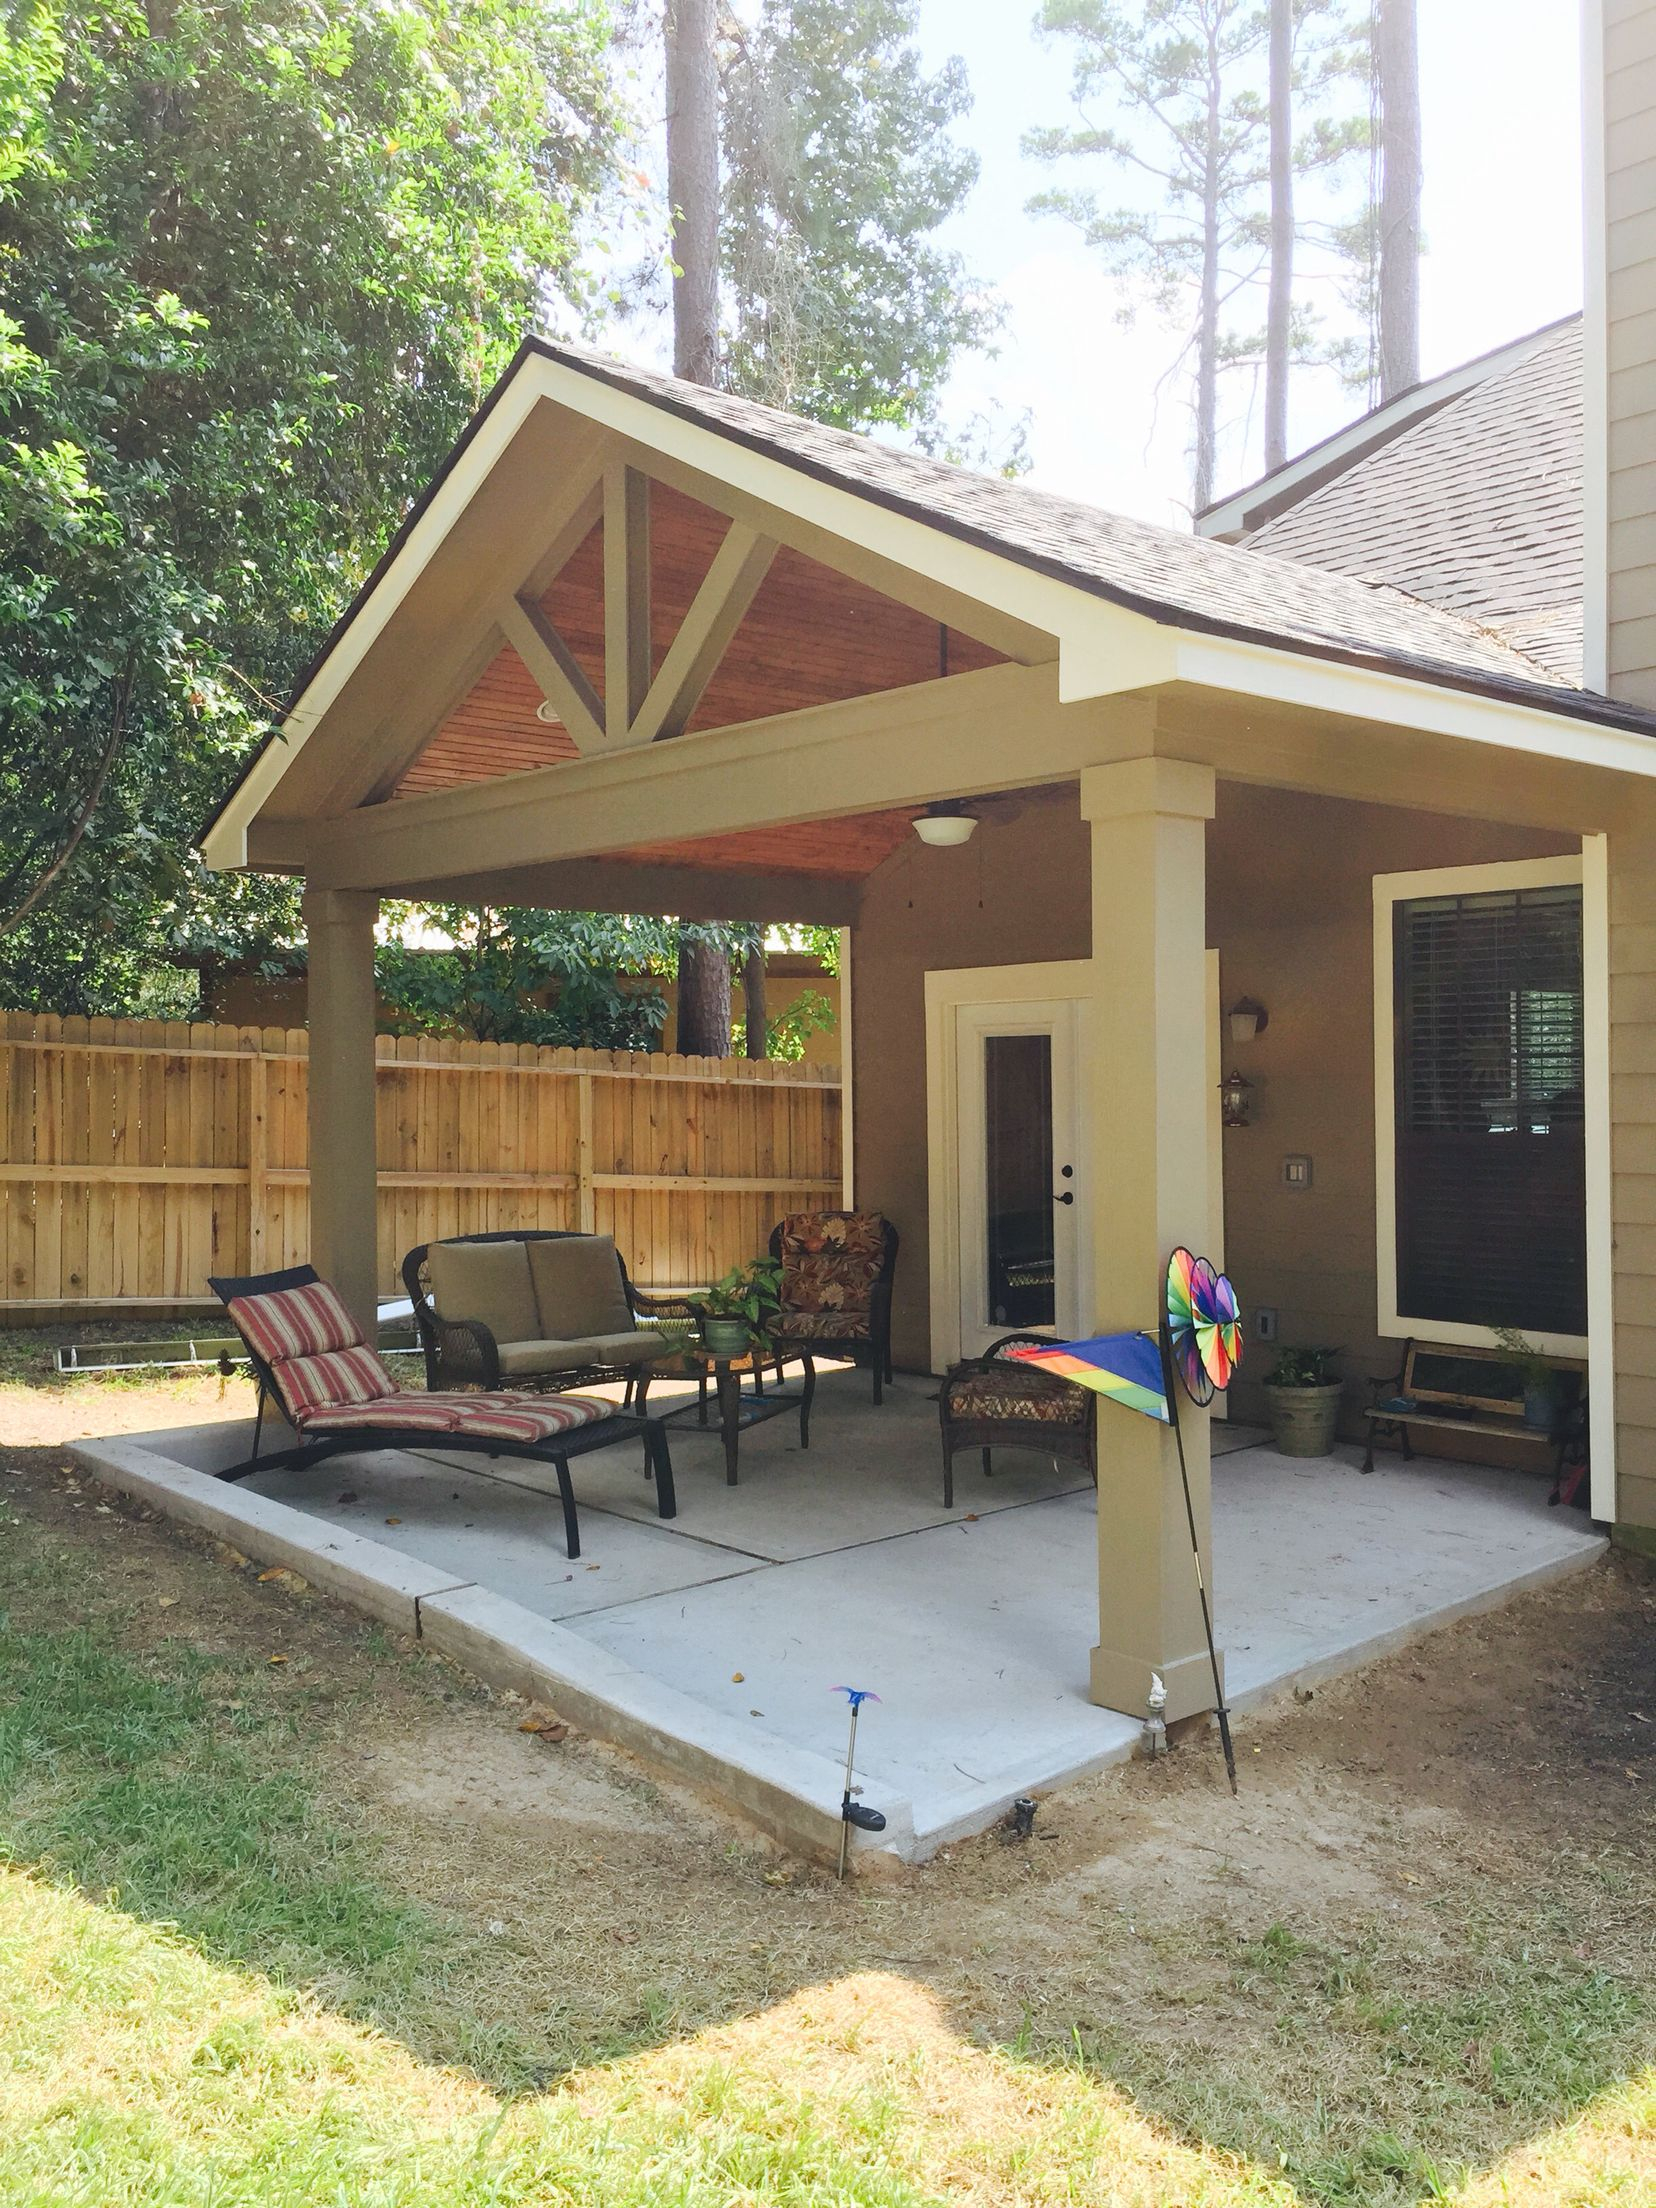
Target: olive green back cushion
x=488 y=1281
x=578 y=1288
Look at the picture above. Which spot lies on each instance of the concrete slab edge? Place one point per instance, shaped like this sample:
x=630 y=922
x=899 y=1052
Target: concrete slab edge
x=1317 y=1670
x=366 y=1573
x=791 y=1794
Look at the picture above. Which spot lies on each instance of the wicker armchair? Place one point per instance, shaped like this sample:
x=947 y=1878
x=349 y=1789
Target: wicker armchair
x=997 y=1402
x=539 y=1347
x=837 y=1271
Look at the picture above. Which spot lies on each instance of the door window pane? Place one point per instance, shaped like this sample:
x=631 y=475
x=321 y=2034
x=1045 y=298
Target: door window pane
x=1017 y=1079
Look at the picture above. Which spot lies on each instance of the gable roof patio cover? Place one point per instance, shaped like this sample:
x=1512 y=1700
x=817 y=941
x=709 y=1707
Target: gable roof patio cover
x=1186 y=609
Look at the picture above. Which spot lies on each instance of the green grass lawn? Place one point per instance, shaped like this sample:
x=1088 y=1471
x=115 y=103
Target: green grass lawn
x=227 y=1975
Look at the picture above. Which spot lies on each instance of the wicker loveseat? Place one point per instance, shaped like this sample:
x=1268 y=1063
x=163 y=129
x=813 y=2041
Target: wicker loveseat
x=535 y=1309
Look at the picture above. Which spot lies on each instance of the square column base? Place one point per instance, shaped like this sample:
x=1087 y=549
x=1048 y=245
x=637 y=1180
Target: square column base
x=1122 y=1682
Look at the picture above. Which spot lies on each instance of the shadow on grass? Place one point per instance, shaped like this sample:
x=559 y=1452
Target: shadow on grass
x=180 y=1785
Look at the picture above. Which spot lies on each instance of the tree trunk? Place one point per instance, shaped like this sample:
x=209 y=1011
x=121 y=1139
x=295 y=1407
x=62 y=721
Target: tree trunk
x=753 y=1003
x=693 y=186
x=1397 y=63
x=703 y=997
x=1207 y=325
x=1279 y=317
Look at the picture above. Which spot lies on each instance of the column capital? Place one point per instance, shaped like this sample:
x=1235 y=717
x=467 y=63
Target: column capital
x=338 y=908
x=1178 y=788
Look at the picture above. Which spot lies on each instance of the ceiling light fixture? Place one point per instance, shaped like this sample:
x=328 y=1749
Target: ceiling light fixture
x=944 y=823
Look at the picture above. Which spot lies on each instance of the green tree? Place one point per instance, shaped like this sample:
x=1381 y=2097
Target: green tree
x=839 y=169
x=1176 y=94
x=259 y=261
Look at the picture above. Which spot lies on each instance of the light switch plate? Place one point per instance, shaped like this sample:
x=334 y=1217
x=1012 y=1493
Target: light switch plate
x=1265 y=1323
x=1296 y=1172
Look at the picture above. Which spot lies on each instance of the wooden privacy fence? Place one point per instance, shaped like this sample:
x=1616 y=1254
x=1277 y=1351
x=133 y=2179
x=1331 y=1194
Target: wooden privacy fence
x=142 y=1155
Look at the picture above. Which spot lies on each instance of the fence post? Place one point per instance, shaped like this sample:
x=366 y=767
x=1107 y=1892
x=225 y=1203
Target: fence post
x=586 y=1197
x=258 y=1159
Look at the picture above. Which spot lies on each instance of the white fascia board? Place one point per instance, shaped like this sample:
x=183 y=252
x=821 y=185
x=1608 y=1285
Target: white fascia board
x=1404 y=701
x=225 y=847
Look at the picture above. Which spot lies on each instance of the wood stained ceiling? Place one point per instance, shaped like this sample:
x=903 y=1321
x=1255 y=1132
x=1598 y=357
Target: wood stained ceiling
x=810 y=637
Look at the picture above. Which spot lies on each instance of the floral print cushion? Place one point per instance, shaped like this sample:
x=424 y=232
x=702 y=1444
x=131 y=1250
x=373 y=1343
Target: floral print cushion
x=830 y=1262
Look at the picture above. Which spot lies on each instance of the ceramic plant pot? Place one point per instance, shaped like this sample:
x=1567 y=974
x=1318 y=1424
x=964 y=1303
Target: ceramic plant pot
x=1305 y=1420
x=725 y=1337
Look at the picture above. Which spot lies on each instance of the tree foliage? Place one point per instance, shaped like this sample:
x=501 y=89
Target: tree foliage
x=259 y=261
x=1174 y=93
x=839 y=170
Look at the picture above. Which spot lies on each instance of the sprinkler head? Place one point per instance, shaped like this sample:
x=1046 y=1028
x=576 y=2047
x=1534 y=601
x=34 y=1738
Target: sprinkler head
x=1023 y=1816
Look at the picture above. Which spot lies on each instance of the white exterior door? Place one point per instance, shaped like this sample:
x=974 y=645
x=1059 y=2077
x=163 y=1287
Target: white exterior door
x=1007 y=1051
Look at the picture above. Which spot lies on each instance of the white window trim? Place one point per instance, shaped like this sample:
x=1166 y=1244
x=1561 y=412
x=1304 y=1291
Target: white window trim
x=1471 y=881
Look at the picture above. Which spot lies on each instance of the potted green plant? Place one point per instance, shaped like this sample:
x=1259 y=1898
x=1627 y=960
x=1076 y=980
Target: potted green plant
x=1303 y=1392
x=734 y=1310
x=1535 y=1376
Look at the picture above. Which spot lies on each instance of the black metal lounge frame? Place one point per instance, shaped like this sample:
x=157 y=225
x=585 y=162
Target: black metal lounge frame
x=365 y=1440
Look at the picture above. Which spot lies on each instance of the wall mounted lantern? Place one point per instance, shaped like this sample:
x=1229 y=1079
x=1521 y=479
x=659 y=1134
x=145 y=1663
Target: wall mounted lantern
x=1236 y=1100
x=1247 y=1019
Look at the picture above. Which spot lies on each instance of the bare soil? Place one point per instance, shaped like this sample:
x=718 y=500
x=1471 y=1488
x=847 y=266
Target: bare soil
x=1495 y=1782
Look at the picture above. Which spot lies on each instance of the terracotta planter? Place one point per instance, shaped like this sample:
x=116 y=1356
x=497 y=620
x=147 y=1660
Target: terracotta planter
x=1304 y=1420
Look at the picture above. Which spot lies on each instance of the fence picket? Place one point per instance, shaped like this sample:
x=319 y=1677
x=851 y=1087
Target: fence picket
x=140 y=1155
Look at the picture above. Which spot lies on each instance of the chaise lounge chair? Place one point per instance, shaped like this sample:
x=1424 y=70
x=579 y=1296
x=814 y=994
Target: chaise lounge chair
x=311 y=1361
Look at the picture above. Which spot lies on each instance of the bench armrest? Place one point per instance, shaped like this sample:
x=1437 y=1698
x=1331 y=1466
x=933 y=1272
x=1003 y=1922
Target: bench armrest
x=463 y=1353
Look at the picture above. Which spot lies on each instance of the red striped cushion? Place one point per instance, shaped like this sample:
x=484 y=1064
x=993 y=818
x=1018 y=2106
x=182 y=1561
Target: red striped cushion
x=501 y=1417
x=331 y=1381
x=295 y=1322
x=406 y=1413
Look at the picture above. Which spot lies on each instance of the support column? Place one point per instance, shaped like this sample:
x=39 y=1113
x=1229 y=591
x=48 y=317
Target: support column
x=1148 y=1188
x=339 y=930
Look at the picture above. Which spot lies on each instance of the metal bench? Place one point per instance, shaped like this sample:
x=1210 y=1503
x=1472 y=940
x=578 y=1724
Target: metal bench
x=1442 y=1388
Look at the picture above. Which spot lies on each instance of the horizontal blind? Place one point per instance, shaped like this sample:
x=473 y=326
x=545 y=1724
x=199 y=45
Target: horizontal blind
x=1491 y=1193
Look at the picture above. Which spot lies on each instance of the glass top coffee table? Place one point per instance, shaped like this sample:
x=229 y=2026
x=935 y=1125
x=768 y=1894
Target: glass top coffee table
x=736 y=1410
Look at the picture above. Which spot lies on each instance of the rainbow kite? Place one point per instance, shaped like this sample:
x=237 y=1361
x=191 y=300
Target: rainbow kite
x=1125 y=1367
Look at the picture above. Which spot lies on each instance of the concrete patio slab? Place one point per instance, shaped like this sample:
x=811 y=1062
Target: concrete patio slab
x=711 y=1643
x=863 y=1479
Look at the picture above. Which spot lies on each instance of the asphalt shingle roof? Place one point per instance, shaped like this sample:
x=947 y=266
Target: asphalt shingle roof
x=1477 y=509
x=1194 y=582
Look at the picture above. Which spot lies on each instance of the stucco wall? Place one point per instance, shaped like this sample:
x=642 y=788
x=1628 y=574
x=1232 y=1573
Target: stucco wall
x=1291 y=909
x=1017 y=893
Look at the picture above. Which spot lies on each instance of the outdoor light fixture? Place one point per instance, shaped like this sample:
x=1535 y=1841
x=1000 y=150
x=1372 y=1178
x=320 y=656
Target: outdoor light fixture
x=1247 y=1019
x=1236 y=1100
x=945 y=823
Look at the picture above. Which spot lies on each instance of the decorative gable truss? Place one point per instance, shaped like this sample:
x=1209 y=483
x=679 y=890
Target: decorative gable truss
x=636 y=708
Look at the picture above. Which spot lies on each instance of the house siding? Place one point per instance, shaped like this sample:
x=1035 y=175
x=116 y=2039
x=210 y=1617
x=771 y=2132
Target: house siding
x=1632 y=909
x=1625 y=131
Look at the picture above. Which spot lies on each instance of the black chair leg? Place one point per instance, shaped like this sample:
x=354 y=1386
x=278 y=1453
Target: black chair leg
x=666 y=1498
x=988 y=1468
x=948 y=1477
x=878 y=1364
x=806 y=1394
x=566 y=1491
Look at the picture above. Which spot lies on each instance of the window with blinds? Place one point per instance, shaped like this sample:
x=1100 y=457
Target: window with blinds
x=1491 y=1189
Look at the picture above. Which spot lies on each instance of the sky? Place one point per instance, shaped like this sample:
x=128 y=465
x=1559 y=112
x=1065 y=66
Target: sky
x=1500 y=96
